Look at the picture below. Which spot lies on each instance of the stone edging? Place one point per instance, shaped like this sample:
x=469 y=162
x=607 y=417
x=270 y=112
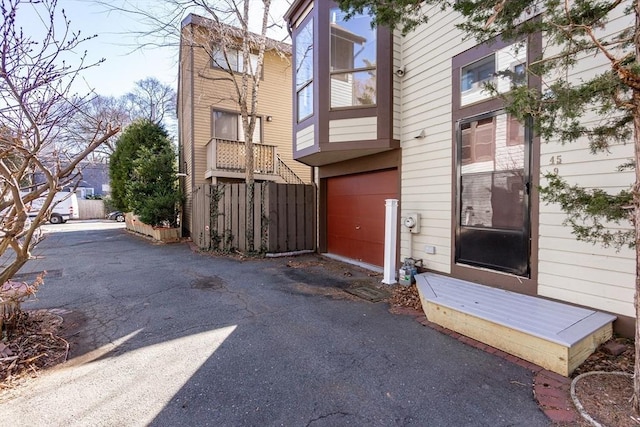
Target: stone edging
x=576 y=401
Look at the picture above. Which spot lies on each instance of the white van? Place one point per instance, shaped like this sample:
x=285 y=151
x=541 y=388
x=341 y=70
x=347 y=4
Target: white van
x=63 y=208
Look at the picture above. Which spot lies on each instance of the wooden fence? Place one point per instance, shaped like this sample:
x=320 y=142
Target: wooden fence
x=284 y=217
x=91 y=209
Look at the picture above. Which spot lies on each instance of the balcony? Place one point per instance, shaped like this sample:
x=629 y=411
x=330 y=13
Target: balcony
x=226 y=159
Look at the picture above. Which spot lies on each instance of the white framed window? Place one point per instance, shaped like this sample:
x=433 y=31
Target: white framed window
x=233 y=61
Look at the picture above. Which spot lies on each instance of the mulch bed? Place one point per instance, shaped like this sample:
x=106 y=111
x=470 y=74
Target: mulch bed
x=32 y=346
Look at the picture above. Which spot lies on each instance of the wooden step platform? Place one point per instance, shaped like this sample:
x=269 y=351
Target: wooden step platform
x=553 y=335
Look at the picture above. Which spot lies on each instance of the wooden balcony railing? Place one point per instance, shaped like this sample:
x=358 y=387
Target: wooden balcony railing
x=226 y=155
x=229 y=156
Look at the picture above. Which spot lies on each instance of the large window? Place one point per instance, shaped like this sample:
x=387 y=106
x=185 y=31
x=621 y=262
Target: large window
x=233 y=60
x=493 y=171
x=228 y=126
x=353 y=60
x=304 y=71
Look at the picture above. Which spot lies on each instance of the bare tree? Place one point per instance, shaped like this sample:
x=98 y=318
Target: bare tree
x=236 y=39
x=151 y=99
x=97 y=110
x=37 y=112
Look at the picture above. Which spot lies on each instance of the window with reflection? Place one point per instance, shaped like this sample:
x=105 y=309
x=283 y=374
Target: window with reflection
x=493 y=168
x=353 y=59
x=233 y=60
x=503 y=68
x=228 y=126
x=492 y=153
x=304 y=70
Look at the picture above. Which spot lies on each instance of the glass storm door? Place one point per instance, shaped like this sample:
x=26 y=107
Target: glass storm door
x=492 y=229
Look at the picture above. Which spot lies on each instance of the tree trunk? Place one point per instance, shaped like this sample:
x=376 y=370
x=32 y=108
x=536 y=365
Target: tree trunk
x=250 y=181
x=636 y=216
x=636 y=222
x=250 y=214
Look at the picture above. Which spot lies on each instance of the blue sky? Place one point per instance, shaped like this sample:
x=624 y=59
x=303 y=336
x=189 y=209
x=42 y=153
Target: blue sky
x=116 y=43
x=123 y=64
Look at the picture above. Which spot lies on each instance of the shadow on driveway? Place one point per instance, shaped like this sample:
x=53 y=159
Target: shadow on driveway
x=164 y=336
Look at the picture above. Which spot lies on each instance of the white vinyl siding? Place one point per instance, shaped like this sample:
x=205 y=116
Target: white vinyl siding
x=426 y=163
x=342 y=92
x=568 y=270
x=305 y=138
x=579 y=272
x=362 y=129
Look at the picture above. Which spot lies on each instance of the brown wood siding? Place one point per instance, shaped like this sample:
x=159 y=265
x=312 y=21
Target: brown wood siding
x=273 y=100
x=185 y=118
x=200 y=93
x=356 y=212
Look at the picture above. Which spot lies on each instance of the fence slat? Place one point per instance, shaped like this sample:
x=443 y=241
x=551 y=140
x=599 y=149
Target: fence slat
x=257 y=217
x=300 y=216
x=291 y=217
x=310 y=217
x=264 y=208
x=272 y=214
x=234 y=208
x=221 y=214
x=282 y=217
x=228 y=219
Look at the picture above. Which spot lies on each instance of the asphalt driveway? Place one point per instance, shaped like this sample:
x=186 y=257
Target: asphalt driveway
x=169 y=337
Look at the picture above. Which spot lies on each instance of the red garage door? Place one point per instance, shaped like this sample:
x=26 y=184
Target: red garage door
x=355 y=214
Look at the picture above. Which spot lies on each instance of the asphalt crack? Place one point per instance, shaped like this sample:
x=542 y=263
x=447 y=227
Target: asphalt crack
x=339 y=414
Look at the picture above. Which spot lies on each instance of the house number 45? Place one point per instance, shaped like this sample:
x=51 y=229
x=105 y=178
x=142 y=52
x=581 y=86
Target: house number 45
x=556 y=160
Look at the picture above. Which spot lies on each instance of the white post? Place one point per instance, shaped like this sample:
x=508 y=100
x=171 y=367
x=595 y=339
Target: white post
x=390 y=240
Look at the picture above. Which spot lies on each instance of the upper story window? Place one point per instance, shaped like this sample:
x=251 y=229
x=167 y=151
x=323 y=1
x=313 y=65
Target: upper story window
x=304 y=70
x=233 y=61
x=501 y=68
x=228 y=126
x=353 y=60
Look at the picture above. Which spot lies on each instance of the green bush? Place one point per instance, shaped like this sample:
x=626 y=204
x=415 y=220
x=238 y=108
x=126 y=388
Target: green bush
x=153 y=191
x=136 y=136
x=144 y=174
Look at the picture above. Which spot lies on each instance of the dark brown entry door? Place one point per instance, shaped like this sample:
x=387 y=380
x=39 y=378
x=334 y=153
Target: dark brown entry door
x=493 y=176
x=355 y=214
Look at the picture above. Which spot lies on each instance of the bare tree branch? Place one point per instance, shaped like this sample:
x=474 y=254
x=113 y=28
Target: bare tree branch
x=37 y=116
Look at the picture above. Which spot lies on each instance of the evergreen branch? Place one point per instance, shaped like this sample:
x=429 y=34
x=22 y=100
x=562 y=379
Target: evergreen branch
x=590 y=212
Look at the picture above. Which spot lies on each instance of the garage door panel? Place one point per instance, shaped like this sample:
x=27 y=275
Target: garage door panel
x=370 y=227
x=372 y=205
x=355 y=214
x=341 y=206
x=343 y=229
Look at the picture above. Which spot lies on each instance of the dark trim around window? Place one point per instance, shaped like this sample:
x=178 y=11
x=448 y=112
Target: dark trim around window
x=488 y=107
